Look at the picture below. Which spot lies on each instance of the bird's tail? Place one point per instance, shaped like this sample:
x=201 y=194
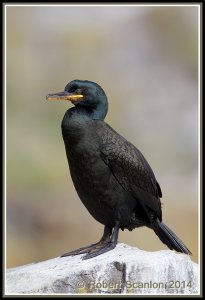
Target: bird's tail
x=169 y=238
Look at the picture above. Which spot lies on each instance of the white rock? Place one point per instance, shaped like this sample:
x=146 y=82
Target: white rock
x=122 y=270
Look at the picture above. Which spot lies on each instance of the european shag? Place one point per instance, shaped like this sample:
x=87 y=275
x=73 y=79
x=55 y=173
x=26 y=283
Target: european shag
x=111 y=176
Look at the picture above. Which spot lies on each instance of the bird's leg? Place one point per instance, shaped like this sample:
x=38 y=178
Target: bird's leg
x=106 y=246
x=105 y=238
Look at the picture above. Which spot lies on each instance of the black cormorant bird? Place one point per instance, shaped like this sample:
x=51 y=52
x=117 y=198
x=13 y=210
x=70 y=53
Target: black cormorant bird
x=111 y=176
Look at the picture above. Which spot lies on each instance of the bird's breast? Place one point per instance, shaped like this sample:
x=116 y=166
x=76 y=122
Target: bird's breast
x=93 y=180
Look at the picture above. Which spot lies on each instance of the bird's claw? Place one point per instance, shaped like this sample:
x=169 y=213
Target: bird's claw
x=97 y=251
x=80 y=250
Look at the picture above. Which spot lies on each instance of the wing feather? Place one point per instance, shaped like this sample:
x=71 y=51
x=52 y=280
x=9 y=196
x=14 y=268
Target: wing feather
x=131 y=169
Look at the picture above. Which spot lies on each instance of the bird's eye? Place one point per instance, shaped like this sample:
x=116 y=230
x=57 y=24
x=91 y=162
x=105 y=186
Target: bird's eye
x=78 y=91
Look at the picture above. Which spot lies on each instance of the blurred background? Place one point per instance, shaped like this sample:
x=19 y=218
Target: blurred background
x=145 y=58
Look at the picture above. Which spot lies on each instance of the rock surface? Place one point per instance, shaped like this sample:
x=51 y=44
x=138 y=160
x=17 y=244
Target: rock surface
x=124 y=270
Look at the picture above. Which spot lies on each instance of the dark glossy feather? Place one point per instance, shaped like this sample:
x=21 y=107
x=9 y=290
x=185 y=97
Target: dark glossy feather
x=130 y=168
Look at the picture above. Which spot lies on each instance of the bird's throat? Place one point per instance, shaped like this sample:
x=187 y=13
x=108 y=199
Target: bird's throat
x=89 y=113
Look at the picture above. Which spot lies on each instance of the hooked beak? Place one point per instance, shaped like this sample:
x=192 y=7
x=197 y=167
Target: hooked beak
x=74 y=98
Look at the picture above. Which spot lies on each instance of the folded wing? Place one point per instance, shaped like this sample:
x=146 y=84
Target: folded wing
x=131 y=170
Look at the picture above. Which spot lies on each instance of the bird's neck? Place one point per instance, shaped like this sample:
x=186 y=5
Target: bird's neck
x=99 y=112
x=75 y=119
x=92 y=113
x=75 y=124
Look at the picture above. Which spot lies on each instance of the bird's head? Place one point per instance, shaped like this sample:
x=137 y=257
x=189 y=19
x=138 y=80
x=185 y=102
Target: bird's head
x=86 y=94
